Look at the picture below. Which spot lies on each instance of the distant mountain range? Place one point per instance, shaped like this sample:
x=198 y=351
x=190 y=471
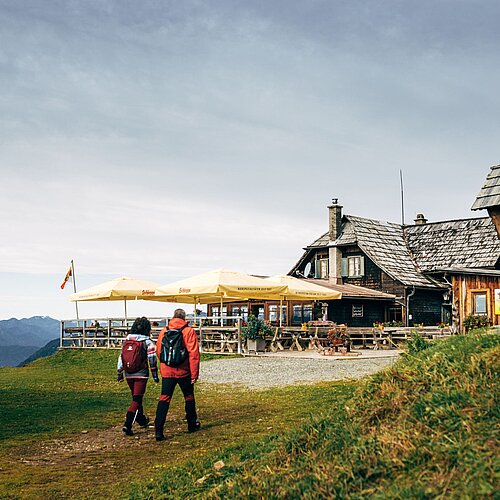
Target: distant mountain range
x=20 y=338
x=47 y=350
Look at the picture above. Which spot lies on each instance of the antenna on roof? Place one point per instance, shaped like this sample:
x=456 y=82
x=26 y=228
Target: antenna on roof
x=402 y=198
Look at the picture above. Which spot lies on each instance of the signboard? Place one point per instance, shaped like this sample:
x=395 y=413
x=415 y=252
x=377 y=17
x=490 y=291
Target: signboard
x=357 y=311
x=497 y=301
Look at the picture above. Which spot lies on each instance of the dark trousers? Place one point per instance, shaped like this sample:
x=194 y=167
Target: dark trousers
x=167 y=390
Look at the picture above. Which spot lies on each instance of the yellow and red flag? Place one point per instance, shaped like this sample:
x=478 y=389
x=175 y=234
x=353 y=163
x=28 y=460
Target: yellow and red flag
x=67 y=277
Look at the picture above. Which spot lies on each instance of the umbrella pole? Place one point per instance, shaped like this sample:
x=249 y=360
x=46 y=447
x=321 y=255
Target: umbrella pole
x=125 y=303
x=221 y=320
x=281 y=312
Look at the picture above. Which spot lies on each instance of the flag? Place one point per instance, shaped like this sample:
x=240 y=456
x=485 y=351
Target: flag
x=67 y=277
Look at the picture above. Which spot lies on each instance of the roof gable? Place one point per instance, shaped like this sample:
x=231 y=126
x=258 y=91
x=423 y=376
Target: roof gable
x=407 y=254
x=489 y=196
x=384 y=244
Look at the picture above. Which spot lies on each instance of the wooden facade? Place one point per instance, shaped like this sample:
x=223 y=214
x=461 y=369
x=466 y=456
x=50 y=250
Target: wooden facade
x=494 y=213
x=412 y=262
x=470 y=291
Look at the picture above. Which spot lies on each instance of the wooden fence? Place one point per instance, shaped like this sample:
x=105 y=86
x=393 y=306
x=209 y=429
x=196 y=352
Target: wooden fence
x=109 y=333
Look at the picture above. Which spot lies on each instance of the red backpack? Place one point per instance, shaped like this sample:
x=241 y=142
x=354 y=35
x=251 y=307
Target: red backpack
x=134 y=356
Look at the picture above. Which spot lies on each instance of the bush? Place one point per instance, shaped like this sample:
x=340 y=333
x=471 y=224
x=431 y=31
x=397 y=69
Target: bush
x=416 y=343
x=255 y=329
x=476 y=321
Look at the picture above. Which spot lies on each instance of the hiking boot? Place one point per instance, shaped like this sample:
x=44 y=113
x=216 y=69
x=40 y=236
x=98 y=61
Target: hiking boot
x=142 y=420
x=127 y=426
x=196 y=426
x=127 y=431
x=159 y=436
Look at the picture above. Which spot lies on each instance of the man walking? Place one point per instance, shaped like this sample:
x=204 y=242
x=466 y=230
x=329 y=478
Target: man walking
x=185 y=374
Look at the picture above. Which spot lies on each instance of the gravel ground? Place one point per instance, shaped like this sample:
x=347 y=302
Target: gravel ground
x=261 y=373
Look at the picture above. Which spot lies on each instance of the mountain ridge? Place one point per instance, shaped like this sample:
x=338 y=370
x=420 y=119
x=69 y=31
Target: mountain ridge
x=20 y=338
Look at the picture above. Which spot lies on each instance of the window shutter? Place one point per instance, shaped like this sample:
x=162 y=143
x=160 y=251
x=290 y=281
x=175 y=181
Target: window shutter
x=317 y=270
x=344 y=271
x=362 y=266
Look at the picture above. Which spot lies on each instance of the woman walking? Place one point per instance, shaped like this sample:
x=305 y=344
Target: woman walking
x=137 y=352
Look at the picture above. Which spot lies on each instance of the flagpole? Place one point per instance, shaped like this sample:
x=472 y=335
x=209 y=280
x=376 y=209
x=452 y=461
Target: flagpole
x=74 y=287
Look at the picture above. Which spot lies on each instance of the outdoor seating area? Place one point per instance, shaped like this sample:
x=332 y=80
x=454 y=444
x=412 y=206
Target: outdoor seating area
x=109 y=333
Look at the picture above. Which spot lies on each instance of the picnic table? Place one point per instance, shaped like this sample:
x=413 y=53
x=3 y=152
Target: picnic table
x=289 y=338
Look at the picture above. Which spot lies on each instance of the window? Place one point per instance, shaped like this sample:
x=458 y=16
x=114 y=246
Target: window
x=479 y=303
x=357 y=310
x=297 y=315
x=353 y=267
x=283 y=315
x=308 y=313
x=321 y=268
x=273 y=314
x=244 y=312
x=215 y=312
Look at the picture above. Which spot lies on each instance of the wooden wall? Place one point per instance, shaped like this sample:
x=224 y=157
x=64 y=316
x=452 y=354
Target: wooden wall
x=464 y=287
x=494 y=213
x=426 y=307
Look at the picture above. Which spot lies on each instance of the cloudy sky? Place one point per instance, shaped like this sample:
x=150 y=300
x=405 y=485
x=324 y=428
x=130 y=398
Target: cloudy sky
x=159 y=139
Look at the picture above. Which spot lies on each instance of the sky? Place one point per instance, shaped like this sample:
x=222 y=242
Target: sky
x=161 y=139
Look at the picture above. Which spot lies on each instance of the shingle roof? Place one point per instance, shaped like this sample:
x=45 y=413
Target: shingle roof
x=322 y=241
x=466 y=243
x=347 y=237
x=407 y=253
x=384 y=243
x=489 y=196
x=354 y=291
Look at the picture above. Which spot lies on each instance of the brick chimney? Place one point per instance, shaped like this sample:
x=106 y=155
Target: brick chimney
x=334 y=253
x=420 y=220
x=335 y=219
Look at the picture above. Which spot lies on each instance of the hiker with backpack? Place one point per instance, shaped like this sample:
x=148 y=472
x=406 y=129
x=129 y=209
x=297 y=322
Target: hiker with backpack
x=179 y=355
x=138 y=351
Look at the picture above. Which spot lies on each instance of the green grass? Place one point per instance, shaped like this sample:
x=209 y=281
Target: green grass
x=70 y=391
x=50 y=402
x=425 y=428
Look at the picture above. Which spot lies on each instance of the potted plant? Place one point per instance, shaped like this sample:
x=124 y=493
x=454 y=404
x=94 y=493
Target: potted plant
x=254 y=332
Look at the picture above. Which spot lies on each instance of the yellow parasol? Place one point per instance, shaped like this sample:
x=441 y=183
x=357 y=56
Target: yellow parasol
x=118 y=289
x=219 y=285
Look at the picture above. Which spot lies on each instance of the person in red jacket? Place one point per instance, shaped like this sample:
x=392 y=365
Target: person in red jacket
x=186 y=374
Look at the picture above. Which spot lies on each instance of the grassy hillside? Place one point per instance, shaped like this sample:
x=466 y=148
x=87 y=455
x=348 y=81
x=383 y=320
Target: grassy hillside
x=62 y=415
x=425 y=428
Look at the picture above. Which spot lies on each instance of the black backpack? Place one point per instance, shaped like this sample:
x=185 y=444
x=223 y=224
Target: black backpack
x=173 y=351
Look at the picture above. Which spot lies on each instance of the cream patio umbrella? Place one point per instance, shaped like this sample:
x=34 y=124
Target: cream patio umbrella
x=219 y=285
x=298 y=289
x=118 y=289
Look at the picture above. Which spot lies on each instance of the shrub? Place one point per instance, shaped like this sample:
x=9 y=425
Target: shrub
x=476 y=321
x=255 y=329
x=416 y=343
